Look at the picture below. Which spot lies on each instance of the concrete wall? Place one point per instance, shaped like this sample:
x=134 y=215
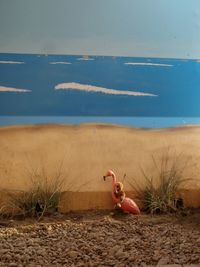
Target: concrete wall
x=86 y=153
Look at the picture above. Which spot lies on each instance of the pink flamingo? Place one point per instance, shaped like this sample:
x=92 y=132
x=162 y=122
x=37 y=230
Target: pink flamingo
x=127 y=204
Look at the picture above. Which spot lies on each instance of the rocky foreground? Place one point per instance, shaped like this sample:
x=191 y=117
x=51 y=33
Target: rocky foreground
x=101 y=239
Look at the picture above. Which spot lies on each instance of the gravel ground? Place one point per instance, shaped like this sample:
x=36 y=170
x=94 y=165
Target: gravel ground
x=101 y=239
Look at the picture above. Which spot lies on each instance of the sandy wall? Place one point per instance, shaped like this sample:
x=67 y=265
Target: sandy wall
x=80 y=155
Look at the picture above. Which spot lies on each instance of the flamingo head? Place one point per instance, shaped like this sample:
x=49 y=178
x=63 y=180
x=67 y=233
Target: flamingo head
x=109 y=173
x=118 y=187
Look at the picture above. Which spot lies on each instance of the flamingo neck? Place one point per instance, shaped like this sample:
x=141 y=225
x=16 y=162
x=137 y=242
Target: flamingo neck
x=114 y=180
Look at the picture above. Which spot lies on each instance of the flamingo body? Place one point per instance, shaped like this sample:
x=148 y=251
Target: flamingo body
x=129 y=206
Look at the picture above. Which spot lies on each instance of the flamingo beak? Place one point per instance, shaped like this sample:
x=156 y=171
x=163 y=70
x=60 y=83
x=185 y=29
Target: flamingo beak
x=104 y=177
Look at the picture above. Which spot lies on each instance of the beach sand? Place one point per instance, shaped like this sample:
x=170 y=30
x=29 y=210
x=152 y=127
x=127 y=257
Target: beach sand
x=85 y=152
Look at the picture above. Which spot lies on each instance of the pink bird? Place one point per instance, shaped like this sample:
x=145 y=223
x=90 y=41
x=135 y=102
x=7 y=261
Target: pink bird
x=126 y=204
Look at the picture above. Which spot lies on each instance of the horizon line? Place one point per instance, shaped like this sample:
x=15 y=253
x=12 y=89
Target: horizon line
x=99 y=55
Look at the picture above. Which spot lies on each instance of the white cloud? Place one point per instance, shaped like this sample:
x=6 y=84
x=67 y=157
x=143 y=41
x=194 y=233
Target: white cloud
x=60 y=62
x=85 y=58
x=148 y=64
x=11 y=62
x=12 y=89
x=97 y=89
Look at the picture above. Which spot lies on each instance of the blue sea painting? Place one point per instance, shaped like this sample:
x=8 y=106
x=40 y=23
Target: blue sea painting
x=73 y=89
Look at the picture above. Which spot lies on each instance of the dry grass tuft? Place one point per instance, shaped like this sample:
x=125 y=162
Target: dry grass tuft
x=41 y=198
x=158 y=194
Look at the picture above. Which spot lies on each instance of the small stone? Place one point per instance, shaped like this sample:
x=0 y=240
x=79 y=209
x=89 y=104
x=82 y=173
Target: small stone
x=13 y=264
x=114 y=249
x=80 y=264
x=4 y=251
x=49 y=228
x=72 y=254
x=120 y=254
x=8 y=257
x=163 y=261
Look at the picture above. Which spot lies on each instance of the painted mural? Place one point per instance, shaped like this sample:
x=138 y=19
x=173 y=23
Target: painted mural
x=97 y=113
x=119 y=93
x=137 y=92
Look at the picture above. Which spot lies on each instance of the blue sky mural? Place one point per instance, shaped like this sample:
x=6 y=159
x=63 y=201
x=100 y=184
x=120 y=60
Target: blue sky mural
x=117 y=59
x=144 y=28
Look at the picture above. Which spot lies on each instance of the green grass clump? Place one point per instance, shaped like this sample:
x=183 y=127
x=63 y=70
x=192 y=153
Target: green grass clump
x=41 y=198
x=159 y=191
